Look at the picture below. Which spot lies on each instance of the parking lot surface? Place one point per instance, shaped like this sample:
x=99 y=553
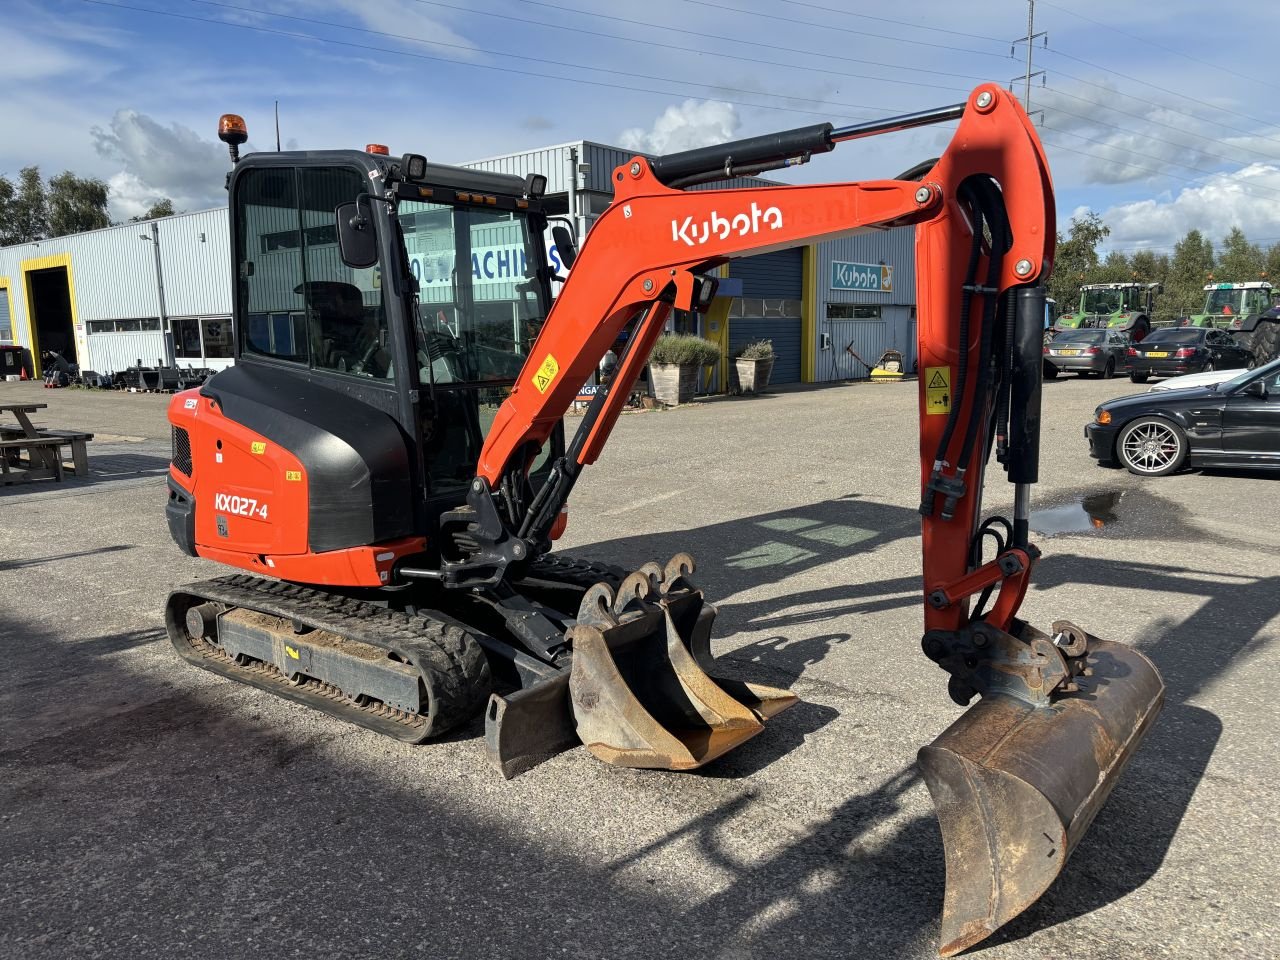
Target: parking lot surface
x=148 y=809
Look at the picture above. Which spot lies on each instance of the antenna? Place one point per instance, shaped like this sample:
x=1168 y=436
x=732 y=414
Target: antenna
x=277 y=126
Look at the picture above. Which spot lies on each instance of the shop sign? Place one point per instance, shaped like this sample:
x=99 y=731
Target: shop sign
x=868 y=277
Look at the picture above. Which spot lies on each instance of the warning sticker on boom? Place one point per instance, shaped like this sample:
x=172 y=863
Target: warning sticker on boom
x=546 y=374
x=937 y=389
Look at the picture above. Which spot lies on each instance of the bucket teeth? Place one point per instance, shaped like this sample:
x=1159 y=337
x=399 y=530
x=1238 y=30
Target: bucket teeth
x=641 y=688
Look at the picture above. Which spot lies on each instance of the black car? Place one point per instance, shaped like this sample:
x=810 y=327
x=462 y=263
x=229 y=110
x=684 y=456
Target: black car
x=1090 y=350
x=1235 y=423
x=1173 y=351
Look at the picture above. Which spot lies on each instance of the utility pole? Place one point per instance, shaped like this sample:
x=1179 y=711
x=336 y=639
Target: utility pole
x=166 y=332
x=1029 y=40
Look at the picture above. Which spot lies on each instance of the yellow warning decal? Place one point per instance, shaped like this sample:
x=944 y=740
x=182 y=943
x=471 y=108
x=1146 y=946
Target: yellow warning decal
x=937 y=389
x=292 y=651
x=259 y=447
x=294 y=475
x=546 y=374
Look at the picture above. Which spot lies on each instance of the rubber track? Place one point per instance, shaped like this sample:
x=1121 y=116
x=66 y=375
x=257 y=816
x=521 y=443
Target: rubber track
x=457 y=673
x=573 y=572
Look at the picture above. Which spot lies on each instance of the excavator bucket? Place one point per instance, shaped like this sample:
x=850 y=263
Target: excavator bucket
x=1017 y=783
x=640 y=696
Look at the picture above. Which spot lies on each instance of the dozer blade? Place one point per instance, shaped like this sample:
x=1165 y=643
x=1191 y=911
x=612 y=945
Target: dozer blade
x=1016 y=784
x=640 y=697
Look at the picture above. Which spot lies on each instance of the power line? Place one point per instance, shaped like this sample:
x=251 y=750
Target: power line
x=1160 y=46
x=1146 y=83
x=1174 y=110
x=857 y=32
x=713 y=53
x=1153 y=139
x=901 y=23
x=495 y=53
x=460 y=63
x=1208 y=173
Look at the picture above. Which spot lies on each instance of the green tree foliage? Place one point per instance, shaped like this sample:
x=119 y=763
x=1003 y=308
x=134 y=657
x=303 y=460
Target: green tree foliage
x=1240 y=260
x=29 y=212
x=1189 y=271
x=32 y=210
x=1076 y=260
x=161 y=208
x=76 y=204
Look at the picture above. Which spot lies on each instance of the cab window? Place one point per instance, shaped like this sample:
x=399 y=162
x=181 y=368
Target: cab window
x=302 y=304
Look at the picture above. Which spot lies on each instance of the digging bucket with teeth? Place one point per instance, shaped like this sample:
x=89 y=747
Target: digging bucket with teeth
x=640 y=685
x=1018 y=778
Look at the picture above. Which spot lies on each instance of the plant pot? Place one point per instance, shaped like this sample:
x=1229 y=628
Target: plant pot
x=752 y=376
x=673 y=383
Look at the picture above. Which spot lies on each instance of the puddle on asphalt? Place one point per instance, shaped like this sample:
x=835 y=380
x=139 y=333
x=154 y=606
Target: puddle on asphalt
x=1091 y=513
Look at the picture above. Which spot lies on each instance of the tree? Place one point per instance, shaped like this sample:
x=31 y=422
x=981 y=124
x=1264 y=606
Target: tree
x=1240 y=260
x=8 y=231
x=76 y=204
x=161 y=208
x=1076 y=259
x=28 y=212
x=1189 y=271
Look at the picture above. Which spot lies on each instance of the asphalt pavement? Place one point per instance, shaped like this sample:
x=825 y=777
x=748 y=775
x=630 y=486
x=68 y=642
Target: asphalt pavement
x=148 y=809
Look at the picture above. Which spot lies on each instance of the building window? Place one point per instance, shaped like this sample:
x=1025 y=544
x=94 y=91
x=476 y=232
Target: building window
x=216 y=336
x=133 y=325
x=756 y=307
x=853 y=311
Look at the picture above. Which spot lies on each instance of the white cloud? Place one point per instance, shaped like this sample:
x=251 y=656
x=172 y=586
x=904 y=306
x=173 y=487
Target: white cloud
x=1242 y=198
x=695 y=123
x=160 y=161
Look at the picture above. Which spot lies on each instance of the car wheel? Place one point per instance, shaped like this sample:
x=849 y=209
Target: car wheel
x=1151 y=447
x=1138 y=377
x=1109 y=370
x=1209 y=367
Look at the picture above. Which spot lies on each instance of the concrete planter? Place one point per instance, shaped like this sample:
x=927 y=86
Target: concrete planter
x=673 y=383
x=752 y=376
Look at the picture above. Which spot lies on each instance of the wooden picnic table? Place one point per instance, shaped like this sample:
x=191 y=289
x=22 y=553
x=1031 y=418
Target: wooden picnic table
x=46 y=464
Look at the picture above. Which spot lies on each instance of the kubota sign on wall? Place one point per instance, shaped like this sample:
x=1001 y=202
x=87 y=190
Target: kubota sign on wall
x=873 y=277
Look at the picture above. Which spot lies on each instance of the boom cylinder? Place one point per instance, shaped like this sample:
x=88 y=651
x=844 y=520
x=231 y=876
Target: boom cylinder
x=1024 y=407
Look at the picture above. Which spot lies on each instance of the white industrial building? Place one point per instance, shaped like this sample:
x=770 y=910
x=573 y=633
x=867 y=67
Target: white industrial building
x=160 y=292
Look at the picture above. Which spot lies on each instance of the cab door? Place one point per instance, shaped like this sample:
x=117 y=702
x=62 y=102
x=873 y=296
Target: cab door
x=1251 y=423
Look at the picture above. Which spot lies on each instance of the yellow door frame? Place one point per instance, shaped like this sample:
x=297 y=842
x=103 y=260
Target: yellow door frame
x=50 y=262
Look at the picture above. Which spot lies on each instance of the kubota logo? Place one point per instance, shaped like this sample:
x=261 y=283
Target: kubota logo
x=720 y=227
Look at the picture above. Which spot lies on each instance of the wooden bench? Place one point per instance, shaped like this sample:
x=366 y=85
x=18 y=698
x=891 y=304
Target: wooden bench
x=49 y=469
x=77 y=440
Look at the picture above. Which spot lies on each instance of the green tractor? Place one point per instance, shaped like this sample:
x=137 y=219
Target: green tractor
x=1117 y=306
x=1248 y=310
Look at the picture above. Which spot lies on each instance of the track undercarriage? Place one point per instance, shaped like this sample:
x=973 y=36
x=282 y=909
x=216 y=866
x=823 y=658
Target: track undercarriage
x=626 y=672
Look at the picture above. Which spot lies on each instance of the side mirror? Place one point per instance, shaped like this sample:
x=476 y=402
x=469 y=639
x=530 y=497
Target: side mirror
x=357 y=242
x=1256 y=388
x=564 y=245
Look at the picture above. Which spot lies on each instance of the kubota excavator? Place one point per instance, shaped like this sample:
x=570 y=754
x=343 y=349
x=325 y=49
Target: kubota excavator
x=387 y=463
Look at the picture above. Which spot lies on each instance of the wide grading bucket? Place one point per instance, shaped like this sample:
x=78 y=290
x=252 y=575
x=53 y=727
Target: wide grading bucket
x=1016 y=783
x=640 y=696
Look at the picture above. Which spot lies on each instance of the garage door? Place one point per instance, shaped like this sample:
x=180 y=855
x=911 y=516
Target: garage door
x=785 y=334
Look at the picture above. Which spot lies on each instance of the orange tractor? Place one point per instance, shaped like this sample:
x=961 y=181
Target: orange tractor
x=387 y=464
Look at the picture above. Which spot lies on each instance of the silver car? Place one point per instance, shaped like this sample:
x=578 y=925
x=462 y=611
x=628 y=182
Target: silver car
x=1091 y=350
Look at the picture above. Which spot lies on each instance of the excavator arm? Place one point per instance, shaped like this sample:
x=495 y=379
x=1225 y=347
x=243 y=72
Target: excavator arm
x=1018 y=777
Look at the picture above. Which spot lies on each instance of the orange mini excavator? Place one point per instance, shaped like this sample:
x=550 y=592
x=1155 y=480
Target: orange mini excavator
x=387 y=464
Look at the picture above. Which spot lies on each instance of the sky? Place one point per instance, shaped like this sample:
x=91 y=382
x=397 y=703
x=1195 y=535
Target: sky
x=1158 y=123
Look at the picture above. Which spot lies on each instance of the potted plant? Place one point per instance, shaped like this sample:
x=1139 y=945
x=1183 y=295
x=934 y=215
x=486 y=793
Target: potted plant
x=674 y=365
x=752 y=367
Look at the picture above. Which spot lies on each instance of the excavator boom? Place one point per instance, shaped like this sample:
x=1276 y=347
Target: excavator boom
x=1018 y=778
